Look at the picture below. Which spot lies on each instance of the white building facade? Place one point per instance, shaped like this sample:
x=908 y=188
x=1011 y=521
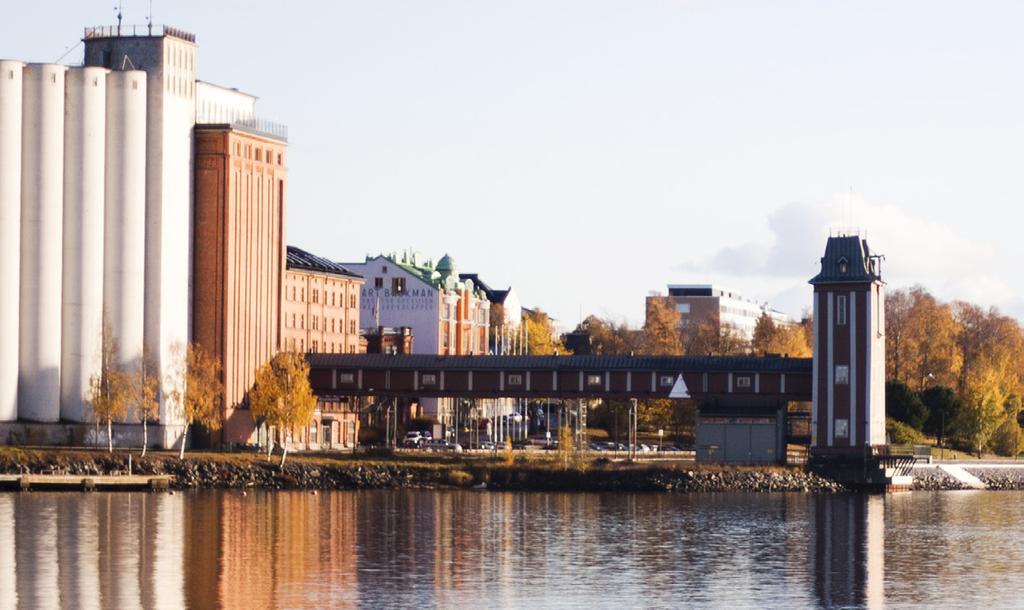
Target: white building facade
x=699 y=302
x=96 y=198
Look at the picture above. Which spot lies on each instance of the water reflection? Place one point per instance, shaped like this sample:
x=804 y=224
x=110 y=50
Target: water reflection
x=442 y=548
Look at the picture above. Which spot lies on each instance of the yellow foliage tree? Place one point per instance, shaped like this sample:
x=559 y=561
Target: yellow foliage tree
x=144 y=387
x=772 y=338
x=282 y=396
x=110 y=388
x=541 y=337
x=661 y=336
x=197 y=386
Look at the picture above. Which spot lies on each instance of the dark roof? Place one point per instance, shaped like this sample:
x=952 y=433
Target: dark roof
x=493 y=295
x=300 y=259
x=778 y=364
x=847 y=260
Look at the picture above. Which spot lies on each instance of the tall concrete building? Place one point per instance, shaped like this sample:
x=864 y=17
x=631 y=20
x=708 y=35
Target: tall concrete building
x=97 y=205
x=168 y=58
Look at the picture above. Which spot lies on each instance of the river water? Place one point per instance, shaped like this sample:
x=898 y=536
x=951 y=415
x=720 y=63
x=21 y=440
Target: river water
x=391 y=549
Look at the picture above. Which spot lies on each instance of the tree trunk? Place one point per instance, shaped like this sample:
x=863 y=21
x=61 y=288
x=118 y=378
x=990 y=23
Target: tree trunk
x=184 y=437
x=110 y=437
x=97 y=432
x=145 y=438
x=270 y=444
x=284 y=450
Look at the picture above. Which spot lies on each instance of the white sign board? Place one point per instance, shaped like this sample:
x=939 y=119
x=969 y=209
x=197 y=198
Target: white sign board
x=679 y=390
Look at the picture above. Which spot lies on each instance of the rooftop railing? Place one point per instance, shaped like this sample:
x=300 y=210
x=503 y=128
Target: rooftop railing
x=122 y=31
x=258 y=126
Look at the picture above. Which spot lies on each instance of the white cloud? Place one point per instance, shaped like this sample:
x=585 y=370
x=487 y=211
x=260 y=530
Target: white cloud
x=918 y=251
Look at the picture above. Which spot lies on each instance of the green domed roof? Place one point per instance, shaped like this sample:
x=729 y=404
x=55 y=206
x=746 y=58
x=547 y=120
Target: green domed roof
x=446 y=266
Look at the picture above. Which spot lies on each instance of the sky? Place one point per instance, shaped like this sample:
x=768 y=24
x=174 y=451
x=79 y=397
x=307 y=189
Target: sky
x=588 y=152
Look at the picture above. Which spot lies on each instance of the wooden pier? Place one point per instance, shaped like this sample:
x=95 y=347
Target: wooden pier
x=69 y=482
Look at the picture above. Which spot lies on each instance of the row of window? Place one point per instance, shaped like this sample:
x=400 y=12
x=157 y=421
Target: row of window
x=331 y=298
x=337 y=326
x=397 y=284
x=257 y=153
x=299 y=345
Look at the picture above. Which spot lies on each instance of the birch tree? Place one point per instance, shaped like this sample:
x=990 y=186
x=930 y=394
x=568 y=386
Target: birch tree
x=282 y=397
x=198 y=387
x=109 y=389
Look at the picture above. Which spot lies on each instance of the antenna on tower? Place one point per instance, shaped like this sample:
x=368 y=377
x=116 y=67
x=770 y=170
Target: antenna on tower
x=119 y=7
x=149 y=19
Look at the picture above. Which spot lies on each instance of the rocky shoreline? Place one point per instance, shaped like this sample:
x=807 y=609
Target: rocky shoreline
x=242 y=471
x=248 y=471
x=996 y=478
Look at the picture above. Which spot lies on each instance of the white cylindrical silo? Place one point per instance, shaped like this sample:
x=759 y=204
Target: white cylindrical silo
x=125 y=211
x=82 y=292
x=42 y=209
x=10 y=233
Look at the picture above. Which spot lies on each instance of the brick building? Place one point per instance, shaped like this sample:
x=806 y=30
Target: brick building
x=240 y=186
x=320 y=313
x=320 y=310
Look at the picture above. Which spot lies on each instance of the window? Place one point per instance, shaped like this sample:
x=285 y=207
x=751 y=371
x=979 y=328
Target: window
x=316 y=296
x=293 y=320
x=352 y=300
x=302 y=345
x=312 y=432
x=515 y=379
x=314 y=346
x=683 y=308
x=743 y=382
x=666 y=380
x=594 y=380
x=302 y=294
x=346 y=378
x=302 y=322
x=352 y=327
x=842 y=374
x=384 y=269
x=841 y=310
x=398 y=285
x=842 y=428
x=428 y=379
x=378 y=282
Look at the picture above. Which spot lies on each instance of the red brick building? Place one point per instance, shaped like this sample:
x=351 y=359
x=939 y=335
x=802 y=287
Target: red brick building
x=239 y=258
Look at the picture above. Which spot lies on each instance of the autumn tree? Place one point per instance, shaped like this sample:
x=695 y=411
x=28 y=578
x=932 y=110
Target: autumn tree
x=897 y=311
x=779 y=338
x=541 y=337
x=611 y=337
x=661 y=336
x=197 y=386
x=109 y=389
x=714 y=338
x=143 y=384
x=282 y=397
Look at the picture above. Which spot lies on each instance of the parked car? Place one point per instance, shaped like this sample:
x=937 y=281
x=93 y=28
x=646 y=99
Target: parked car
x=439 y=444
x=413 y=438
